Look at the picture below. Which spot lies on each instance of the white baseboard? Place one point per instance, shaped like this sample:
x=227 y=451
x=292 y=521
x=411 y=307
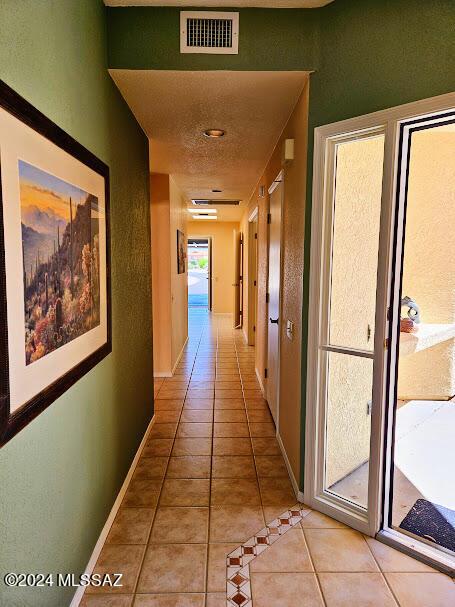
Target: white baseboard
x=110 y=519
x=170 y=373
x=261 y=384
x=294 y=483
x=179 y=356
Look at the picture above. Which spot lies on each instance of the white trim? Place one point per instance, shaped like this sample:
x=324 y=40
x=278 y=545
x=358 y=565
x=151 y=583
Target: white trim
x=179 y=356
x=386 y=122
x=261 y=383
x=294 y=483
x=253 y=215
x=78 y=595
x=276 y=182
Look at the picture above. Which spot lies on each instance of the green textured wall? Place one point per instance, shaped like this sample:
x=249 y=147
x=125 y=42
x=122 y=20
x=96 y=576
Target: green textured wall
x=59 y=477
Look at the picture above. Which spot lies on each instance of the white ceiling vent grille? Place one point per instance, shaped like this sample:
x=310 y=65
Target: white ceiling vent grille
x=209 y=32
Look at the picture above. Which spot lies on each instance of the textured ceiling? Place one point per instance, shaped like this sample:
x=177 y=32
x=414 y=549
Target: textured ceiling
x=225 y=3
x=175 y=107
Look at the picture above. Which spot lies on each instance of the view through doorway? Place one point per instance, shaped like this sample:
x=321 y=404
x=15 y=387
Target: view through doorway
x=199 y=273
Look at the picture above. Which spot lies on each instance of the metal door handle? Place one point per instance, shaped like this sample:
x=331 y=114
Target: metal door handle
x=274 y=322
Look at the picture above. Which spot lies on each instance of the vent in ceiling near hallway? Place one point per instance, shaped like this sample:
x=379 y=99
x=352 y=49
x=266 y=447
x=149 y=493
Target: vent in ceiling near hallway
x=209 y=32
x=205 y=202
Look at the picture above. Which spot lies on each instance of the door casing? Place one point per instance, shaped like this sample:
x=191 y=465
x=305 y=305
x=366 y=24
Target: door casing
x=389 y=122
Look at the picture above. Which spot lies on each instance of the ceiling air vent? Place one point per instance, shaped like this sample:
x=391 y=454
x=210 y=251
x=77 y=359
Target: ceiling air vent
x=209 y=32
x=204 y=202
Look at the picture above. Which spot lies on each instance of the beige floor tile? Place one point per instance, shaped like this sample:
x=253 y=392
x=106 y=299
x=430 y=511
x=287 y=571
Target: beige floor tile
x=197 y=415
x=163 y=431
x=273 y=512
x=180 y=526
x=104 y=600
x=259 y=404
x=229 y=403
x=285 y=590
x=185 y=492
x=339 y=550
x=259 y=416
x=317 y=520
x=151 y=467
x=389 y=559
x=131 y=526
x=169 y=600
x=166 y=416
x=169 y=394
x=194 y=430
x=288 y=554
x=173 y=568
x=259 y=429
x=266 y=446
x=142 y=493
x=230 y=415
x=168 y=404
x=236 y=466
x=216 y=599
x=234 y=523
x=271 y=466
x=363 y=589
x=253 y=394
x=216 y=578
x=118 y=558
x=198 y=403
x=157 y=447
x=230 y=430
x=275 y=491
x=189 y=466
x=195 y=394
x=422 y=589
x=192 y=446
x=235 y=492
x=231 y=446
x=228 y=393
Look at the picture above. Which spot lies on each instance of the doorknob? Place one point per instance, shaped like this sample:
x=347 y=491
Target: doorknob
x=274 y=322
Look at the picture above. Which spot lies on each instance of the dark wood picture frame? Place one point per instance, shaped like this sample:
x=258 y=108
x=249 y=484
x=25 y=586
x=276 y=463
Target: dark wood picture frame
x=12 y=423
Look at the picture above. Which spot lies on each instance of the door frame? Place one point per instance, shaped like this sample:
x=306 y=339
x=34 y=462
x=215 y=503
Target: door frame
x=389 y=120
x=252 y=269
x=210 y=266
x=278 y=181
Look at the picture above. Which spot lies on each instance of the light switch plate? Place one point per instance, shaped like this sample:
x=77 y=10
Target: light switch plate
x=290 y=329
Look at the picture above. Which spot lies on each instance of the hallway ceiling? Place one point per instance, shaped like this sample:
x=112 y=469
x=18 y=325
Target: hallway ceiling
x=175 y=107
x=227 y=3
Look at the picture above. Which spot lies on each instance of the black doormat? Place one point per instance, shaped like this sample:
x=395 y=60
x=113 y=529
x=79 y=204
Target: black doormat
x=432 y=522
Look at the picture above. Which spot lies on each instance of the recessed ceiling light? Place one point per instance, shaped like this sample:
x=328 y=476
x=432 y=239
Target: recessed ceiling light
x=214 y=133
x=204 y=217
x=203 y=211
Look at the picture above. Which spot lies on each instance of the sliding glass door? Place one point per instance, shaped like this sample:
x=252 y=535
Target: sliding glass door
x=381 y=346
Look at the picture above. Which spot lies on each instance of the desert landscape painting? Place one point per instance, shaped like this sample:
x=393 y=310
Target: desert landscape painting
x=61 y=261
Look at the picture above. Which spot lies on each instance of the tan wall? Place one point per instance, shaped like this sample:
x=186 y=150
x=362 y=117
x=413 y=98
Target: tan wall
x=292 y=258
x=170 y=296
x=428 y=269
x=221 y=233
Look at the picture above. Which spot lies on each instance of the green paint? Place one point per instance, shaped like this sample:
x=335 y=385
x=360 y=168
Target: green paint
x=149 y=38
x=60 y=475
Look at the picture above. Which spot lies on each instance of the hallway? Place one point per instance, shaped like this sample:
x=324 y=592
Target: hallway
x=210 y=476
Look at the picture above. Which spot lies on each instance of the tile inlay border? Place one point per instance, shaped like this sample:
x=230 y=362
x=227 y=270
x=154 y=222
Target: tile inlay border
x=238 y=584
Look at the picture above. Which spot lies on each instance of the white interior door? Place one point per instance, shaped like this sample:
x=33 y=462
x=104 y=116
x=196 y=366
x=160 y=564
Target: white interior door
x=273 y=289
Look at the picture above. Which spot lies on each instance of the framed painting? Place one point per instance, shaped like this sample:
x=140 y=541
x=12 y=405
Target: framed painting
x=181 y=252
x=55 y=309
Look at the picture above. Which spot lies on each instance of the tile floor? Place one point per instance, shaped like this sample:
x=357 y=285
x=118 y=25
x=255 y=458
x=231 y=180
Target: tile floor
x=209 y=477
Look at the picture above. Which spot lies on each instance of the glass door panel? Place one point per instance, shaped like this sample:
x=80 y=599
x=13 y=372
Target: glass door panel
x=347 y=341
x=422 y=476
